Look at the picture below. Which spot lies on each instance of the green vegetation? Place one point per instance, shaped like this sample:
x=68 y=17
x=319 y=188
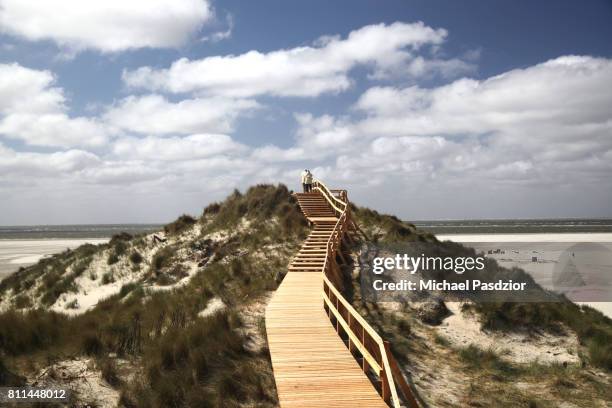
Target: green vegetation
x=571 y=384
x=107 y=278
x=62 y=281
x=136 y=258
x=7 y=378
x=118 y=247
x=22 y=301
x=441 y=340
x=166 y=267
x=163 y=259
x=222 y=370
x=388 y=228
x=479 y=359
x=206 y=356
x=113 y=258
x=260 y=203
x=180 y=225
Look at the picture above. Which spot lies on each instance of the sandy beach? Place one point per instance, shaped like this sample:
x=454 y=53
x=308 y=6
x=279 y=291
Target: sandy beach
x=15 y=253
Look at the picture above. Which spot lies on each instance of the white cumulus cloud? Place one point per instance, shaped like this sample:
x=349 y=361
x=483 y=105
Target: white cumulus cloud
x=56 y=129
x=28 y=89
x=305 y=71
x=45 y=164
x=107 y=26
x=33 y=109
x=183 y=117
x=548 y=126
x=177 y=148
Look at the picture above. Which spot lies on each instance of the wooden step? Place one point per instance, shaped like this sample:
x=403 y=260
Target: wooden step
x=326 y=220
x=307 y=259
x=317 y=260
x=322 y=212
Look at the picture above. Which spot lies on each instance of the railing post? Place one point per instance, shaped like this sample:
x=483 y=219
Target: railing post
x=365 y=367
x=399 y=378
x=350 y=343
x=386 y=391
x=337 y=320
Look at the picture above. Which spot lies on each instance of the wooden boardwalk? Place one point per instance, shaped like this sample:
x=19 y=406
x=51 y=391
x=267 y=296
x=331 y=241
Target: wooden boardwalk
x=312 y=365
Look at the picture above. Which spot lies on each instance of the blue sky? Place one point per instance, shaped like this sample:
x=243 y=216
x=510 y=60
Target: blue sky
x=427 y=109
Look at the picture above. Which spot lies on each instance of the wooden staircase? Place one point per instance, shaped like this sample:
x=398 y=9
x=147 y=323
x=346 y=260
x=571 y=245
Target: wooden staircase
x=316 y=208
x=323 y=352
x=312 y=254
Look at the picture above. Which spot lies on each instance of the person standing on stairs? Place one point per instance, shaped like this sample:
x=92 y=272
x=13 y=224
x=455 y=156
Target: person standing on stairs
x=307 y=181
x=309 y=178
x=303 y=176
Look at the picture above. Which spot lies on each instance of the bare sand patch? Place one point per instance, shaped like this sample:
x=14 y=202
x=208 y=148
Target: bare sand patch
x=83 y=378
x=213 y=306
x=463 y=329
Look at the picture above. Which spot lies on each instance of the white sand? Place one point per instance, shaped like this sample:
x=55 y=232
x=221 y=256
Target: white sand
x=15 y=253
x=214 y=305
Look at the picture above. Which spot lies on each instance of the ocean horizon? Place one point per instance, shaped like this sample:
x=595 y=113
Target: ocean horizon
x=516 y=226
x=468 y=226
x=73 y=231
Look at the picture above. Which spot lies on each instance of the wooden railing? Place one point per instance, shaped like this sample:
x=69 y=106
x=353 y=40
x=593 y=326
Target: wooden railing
x=362 y=338
x=335 y=198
